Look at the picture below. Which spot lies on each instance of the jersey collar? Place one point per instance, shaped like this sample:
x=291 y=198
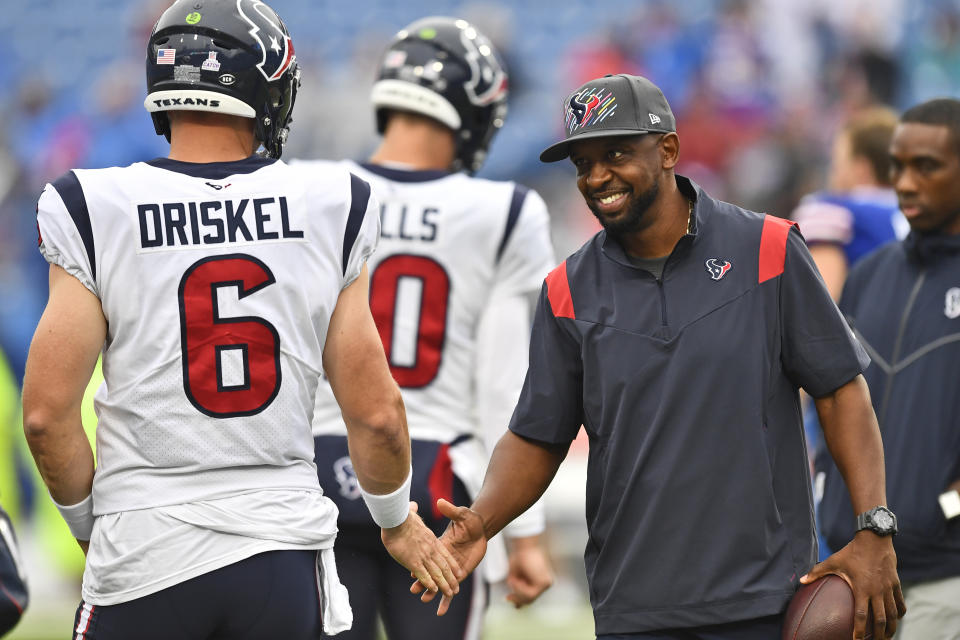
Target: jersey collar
x=212 y=170
x=927 y=248
x=405 y=175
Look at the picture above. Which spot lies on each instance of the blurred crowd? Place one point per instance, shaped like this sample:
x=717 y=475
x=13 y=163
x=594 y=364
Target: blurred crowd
x=759 y=88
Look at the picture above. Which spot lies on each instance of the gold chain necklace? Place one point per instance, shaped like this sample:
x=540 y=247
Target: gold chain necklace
x=689 y=216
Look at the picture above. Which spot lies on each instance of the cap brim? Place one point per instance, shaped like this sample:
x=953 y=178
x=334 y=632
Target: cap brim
x=560 y=150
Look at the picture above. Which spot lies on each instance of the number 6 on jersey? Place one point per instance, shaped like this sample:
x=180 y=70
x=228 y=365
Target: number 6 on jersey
x=207 y=340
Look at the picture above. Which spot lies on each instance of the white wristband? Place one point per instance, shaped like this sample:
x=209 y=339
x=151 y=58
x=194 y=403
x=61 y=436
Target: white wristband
x=79 y=517
x=390 y=510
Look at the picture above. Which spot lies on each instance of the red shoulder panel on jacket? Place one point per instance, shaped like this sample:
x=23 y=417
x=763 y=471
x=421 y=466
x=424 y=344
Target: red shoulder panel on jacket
x=558 y=291
x=773 y=246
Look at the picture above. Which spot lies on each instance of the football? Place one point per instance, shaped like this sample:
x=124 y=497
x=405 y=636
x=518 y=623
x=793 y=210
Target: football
x=822 y=610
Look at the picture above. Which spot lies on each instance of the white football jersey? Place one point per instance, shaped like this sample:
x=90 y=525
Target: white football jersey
x=217 y=282
x=449 y=244
x=452 y=285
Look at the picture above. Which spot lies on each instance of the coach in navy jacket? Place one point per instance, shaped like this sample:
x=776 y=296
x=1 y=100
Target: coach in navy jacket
x=678 y=337
x=904 y=304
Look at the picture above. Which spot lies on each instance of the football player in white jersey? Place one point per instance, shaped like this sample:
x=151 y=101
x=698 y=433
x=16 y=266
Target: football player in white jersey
x=459 y=264
x=218 y=285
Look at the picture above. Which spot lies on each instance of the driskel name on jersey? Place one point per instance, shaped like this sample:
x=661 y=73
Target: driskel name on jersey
x=241 y=221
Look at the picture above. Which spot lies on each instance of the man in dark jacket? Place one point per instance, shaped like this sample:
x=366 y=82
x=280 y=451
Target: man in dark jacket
x=678 y=337
x=903 y=302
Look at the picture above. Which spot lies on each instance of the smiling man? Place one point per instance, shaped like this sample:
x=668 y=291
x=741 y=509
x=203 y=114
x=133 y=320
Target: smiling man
x=904 y=302
x=679 y=336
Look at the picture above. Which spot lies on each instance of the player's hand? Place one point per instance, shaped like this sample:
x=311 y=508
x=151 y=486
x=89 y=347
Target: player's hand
x=467 y=543
x=530 y=571
x=869 y=565
x=414 y=545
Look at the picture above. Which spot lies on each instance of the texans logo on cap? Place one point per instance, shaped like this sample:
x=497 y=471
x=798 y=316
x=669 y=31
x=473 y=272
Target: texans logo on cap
x=581 y=110
x=589 y=107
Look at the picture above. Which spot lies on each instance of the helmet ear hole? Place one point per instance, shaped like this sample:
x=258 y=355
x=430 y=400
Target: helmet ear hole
x=444 y=68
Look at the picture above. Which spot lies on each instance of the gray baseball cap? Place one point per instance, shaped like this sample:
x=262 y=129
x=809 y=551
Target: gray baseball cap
x=620 y=105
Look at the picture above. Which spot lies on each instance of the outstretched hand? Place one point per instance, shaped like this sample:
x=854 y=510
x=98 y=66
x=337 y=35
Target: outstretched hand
x=466 y=542
x=414 y=545
x=869 y=565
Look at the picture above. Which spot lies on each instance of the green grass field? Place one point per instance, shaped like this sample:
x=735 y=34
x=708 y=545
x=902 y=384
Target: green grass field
x=574 y=622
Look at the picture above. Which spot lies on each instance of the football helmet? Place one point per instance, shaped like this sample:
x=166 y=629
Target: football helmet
x=444 y=68
x=225 y=56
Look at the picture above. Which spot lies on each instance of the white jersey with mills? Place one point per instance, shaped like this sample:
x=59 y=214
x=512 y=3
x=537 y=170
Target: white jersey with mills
x=460 y=261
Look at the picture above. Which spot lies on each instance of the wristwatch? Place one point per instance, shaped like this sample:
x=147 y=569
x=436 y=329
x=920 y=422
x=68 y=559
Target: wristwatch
x=880 y=520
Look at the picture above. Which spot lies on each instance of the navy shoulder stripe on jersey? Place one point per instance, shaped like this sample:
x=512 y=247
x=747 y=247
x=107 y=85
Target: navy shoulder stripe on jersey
x=359 y=197
x=68 y=186
x=516 y=203
x=213 y=170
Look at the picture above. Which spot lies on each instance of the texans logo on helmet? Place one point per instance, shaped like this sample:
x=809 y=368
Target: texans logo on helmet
x=488 y=81
x=278 y=52
x=717 y=268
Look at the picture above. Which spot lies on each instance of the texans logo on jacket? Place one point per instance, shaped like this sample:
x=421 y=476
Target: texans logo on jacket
x=717 y=268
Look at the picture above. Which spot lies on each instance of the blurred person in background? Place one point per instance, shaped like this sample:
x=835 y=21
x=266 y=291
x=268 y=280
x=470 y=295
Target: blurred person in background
x=903 y=302
x=858 y=211
x=204 y=517
x=678 y=337
x=452 y=286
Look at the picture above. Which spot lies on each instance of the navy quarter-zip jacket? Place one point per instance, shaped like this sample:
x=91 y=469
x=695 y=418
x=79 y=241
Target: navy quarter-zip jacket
x=903 y=302
x=698 y=493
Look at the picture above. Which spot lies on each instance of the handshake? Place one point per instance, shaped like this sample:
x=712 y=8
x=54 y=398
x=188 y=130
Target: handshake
x=439 y=565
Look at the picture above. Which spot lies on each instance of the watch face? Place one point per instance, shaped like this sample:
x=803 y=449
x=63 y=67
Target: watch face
x=883 y=520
